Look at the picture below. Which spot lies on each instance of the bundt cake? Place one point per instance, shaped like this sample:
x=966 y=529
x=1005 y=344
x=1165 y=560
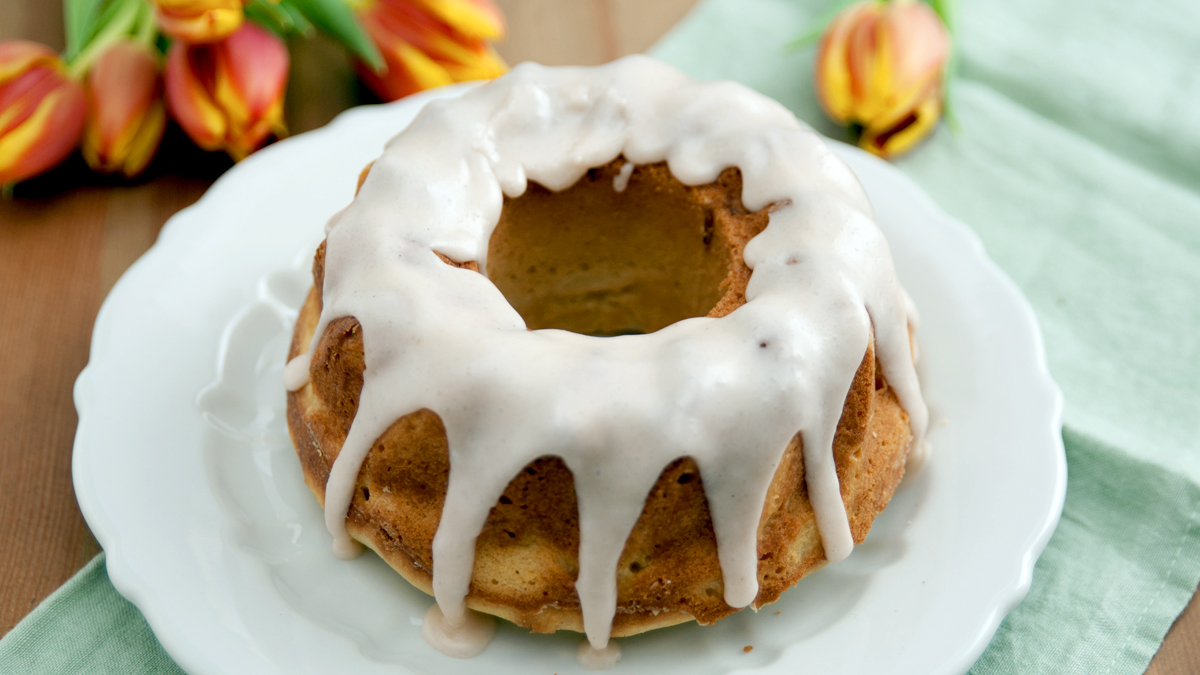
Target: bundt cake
x=605 y=350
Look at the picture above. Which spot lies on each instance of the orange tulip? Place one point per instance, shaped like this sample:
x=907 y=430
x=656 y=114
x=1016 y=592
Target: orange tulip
x=429 y=43
x=198 y=20
x=229 y=95
x=125 y=113
x=41 y=110
x=879 y=68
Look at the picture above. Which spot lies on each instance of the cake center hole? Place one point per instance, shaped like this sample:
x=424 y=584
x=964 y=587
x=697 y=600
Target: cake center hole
x=596 y=260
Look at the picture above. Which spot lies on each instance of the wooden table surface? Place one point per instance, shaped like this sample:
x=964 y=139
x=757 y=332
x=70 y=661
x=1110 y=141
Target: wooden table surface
x=68 y=236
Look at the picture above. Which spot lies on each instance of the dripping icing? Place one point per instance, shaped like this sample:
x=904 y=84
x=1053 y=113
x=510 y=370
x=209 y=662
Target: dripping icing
x=621 y=180
x=685 y=390
x=461 y=640
x=598 y=659
x=295 y=373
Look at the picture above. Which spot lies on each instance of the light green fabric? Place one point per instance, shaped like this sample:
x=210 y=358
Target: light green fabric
x=85 y=627
x=1078 y=163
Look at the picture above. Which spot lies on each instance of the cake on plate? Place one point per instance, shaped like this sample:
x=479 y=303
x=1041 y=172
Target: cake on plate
x=604 y=350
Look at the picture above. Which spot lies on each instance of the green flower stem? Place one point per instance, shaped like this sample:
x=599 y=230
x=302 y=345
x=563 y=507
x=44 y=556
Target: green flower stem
x=123 y=22
x=147 y=29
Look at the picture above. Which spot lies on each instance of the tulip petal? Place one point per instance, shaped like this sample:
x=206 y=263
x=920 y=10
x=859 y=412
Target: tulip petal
x=189 y=100
x=250 y=78
x=122 y=87
x=19 y=56
x=403 y=21
x=421 y=52
x=484 y=64
x=919 y=44
x=426 y=72
x=253 y=64
x=902 y=128
x=879 y=68
x=870 y=64
x=833 y=75
x=198 y=21
x=229 y=95
x=251 y=137
x=21 y=96
x=145 y=144
x=408 y=70
x=45 y=137
x=480 y=19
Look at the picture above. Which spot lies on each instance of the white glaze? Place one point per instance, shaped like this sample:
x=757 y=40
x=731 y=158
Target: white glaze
x=728 y=392
x=598 y=659
x=461 y=641
x=621 y=180
x=295 y=373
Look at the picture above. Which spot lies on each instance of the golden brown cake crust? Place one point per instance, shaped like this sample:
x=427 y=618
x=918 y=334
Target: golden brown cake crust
x=527 y=554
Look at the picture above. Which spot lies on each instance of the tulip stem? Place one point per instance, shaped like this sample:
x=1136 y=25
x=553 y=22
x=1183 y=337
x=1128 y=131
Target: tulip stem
x=147 y=30
x=120 y=26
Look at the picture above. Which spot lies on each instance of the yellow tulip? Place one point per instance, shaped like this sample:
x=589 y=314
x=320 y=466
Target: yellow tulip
x=198 y=20
x=41 y=110
x=125 y=113
x=879 y=70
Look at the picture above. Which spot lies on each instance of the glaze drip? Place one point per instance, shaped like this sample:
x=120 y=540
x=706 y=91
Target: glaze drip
x=462 y=640
x=444 y=338
x=295 y=373
x=598 y=659
x=621 y=180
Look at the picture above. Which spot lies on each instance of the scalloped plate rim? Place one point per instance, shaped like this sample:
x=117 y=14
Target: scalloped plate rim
x=193 y=656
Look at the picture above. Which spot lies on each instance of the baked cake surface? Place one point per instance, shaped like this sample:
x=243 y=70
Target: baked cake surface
x=527 y=552
x=603 y=349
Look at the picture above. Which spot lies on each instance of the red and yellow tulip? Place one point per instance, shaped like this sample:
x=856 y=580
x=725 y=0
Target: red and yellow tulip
x=480 y=19
x=229 y=95
x=41 y=110
x=879 y=68
x=125 y=113
x=429 y=43
x=198 y=21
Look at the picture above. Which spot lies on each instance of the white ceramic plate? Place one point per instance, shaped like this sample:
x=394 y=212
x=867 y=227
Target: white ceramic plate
x=184 y=470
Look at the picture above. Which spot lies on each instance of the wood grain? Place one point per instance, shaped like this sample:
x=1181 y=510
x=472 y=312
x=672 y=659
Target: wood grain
x=49 y=268
x=1180 y=651
x=69 y=235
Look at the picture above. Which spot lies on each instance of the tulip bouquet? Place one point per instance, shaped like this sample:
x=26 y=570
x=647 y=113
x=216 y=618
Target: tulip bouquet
x=218 y=68
x=882 y=69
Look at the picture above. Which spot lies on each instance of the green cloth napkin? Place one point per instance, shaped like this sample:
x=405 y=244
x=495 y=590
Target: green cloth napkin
x=84 y=627
x=1078 y=163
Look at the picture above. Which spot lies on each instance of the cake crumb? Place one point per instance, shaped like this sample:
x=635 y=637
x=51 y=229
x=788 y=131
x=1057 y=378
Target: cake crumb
x=777 y=612
x=747 y=648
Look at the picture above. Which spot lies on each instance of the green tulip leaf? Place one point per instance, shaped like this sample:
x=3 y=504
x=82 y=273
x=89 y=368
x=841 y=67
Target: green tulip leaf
x=335 y=18
x=279 y=17
x=269 y=16
x=91 y=30
x=80 y=18
x=302 y=25
x=945 y=12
